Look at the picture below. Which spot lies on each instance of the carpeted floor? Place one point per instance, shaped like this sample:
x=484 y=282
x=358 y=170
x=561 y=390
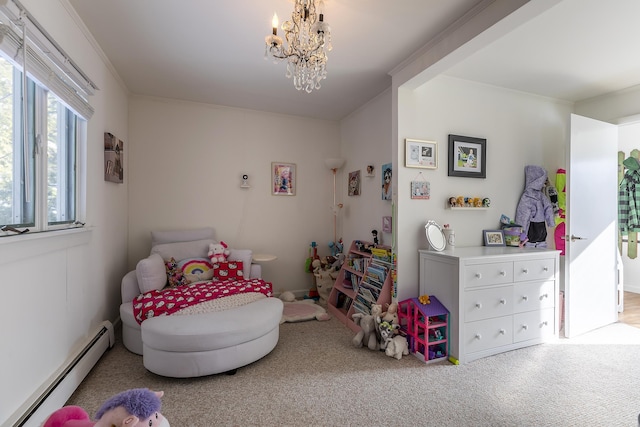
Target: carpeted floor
x=315 y=377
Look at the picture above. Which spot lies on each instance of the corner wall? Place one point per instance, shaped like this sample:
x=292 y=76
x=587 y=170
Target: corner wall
x=188 y=159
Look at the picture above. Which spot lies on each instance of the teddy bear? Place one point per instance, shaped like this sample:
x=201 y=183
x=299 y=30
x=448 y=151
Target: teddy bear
x=134 y=408
x=175 y=275
x=397 y=347
x=218 y=252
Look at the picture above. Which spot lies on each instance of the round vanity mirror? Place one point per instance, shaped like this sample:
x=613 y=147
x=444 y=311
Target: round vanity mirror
x=435 y=236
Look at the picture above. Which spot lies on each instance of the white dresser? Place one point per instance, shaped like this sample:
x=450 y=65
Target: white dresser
x=499 y=298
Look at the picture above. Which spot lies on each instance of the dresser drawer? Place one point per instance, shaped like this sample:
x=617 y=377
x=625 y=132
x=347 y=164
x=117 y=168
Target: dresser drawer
x=533 y=296
x=486 y=303
x=489 y=333
x=535 y=269
x=488 y=274
x=533 y=324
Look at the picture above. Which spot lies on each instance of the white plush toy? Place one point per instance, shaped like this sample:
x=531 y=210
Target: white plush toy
x=218 y=252
x=324 y=282
x=397 y=347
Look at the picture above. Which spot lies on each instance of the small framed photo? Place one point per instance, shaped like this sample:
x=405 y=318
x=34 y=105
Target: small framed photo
x=386 y=224
x=467 y=156
x=493 y=237
x=283 y=176
x=354 y=183
x=421 y=154
x=420 y=190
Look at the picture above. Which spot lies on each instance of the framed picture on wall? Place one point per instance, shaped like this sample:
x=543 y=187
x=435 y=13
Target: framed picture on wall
x=387 y=181
x=354 y=183
x=283 y=179
x=421 y=154
x=467 y=156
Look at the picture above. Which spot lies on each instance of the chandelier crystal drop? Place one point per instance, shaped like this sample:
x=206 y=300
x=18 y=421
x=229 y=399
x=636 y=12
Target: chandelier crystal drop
x=308 y=40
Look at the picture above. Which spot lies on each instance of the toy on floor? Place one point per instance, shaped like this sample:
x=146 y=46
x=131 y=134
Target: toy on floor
x=391 y=315
x=367 y=335
x=397 y=347
x=324 y=283
x=387 y=331
x=132 y=408
x=299 y=311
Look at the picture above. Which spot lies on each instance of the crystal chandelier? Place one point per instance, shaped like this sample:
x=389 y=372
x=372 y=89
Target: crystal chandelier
x=308 y=38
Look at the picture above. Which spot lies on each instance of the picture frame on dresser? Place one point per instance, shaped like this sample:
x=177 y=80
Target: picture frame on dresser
x=493 y=237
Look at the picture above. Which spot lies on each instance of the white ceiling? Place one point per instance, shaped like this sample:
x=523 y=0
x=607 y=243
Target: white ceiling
x=212 y=51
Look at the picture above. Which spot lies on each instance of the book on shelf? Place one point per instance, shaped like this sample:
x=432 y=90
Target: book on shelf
x=377 y=272
x=382 y=254
x=372 y=292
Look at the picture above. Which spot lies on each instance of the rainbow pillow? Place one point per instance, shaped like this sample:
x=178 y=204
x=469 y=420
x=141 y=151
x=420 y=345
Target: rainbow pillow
x=196 y=269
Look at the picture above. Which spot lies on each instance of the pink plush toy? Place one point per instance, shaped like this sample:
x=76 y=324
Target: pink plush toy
x=132 y=408
x=218 y=252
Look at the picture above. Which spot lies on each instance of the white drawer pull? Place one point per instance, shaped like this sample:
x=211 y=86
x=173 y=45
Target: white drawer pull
x=478 y=305
x=503 y=273
x=525 y=298
x=525 y=270
x=503 y=301
x=478 y=276
x=525 y=327
x=502 y=331
x=478 y=336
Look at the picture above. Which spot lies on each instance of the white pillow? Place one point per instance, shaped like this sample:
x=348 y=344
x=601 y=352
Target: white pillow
x=183 y=250
x=151 y=273
x=244 y=255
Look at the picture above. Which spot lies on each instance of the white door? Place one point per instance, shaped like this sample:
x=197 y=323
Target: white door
x=591 y=247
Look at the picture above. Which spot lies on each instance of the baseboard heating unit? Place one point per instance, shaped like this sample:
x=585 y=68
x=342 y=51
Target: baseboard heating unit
x=57 y=390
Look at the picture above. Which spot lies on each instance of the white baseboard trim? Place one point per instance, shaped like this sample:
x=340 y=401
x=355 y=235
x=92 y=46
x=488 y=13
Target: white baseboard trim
x=54 y=393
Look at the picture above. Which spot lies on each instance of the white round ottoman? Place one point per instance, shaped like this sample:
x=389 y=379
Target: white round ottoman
x=182 y=346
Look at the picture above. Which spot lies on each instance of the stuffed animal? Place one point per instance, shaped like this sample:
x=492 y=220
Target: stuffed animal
x=174 y=274
x=218 y=252
x=324 y=282
x=367 y=335
x=391 y=315
x=397 y=347
x=132 y=408
x=387 y=330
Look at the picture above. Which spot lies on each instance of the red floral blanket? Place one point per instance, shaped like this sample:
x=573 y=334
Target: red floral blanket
x=169 y=300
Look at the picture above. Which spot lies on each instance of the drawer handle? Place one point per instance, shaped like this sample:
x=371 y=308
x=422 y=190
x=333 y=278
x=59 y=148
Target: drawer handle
x=502 y=331
x=543 y=296
x=545 y=323
x=503 y=273
x=478 y=276
x=478 y=305
x=545 y=268
x=503 y=301
x=525 y=327
x=525 y=270
x=525 y=298
x=478 y=336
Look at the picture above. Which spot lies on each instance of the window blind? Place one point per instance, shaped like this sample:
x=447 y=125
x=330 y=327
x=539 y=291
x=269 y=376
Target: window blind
x=47 y=63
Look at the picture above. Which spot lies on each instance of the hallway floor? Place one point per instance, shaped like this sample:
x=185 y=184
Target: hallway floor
x=631 y=313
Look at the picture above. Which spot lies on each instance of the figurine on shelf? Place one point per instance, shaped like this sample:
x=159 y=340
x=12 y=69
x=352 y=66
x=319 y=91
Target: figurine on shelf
x=374 y=233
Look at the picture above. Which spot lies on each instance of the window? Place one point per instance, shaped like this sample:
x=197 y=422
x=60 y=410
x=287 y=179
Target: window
x=39 y=172
x=38 y=179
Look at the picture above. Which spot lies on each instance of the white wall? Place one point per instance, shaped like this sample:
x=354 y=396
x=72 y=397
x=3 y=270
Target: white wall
x=520 y=129
x=187 y=161
x=62 y=287
x=366 y=140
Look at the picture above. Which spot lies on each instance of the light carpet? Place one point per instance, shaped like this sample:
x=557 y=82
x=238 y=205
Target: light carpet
x=315 y=377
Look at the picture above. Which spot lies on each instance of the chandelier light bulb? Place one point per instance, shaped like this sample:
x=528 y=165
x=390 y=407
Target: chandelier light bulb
x=274 y=24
